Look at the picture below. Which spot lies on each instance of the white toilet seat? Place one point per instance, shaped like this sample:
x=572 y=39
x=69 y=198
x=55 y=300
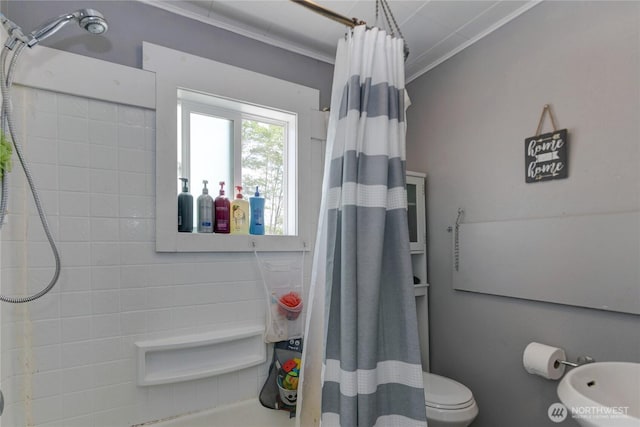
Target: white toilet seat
x=445 y=393
x=447 y=401
x=449 y=407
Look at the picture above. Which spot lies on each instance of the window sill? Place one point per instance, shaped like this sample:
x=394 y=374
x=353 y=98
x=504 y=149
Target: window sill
x=209 y=242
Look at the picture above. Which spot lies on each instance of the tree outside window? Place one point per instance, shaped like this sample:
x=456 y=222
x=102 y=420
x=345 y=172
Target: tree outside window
x=263 y=165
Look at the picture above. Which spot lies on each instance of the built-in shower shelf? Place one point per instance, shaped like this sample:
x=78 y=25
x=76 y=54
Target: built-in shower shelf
x=190 y=357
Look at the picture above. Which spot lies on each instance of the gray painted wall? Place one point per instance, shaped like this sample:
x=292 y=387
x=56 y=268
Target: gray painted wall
x=131 y=22
x=466 y=130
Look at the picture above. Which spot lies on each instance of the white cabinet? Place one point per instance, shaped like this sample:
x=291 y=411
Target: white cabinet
x=417 y=227
x=416 y=211
x=415 y=207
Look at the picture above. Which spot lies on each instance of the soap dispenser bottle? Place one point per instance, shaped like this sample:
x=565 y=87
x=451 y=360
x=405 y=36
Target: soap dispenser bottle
x=239 y=214
x=257 y=213
x=185 y=208
x=205 y=210
x=221 y=205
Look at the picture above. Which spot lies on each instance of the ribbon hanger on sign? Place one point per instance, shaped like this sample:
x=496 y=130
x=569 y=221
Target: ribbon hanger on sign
x=546 y=110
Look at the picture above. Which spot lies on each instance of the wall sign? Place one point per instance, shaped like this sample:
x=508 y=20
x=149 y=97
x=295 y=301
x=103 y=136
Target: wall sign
x=545 y=156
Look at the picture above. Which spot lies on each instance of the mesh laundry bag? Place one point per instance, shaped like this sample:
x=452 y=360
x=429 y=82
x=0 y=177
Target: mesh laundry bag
x=280 y=389
x=283 y=277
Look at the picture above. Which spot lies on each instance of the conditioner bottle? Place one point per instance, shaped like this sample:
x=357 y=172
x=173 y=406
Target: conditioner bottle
x=239 y=214
x=205 y=211
x=221 y=206
x=257 y=213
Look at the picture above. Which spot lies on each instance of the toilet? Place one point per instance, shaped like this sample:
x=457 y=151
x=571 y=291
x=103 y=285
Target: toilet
x=448 y=403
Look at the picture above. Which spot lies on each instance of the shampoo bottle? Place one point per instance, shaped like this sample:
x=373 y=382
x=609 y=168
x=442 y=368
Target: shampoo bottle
x=257 y=214
x=205 y=211
x=239 y=214
x=221 y=206
x=185 y=208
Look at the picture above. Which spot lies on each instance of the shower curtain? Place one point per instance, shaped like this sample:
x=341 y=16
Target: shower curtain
x=362 y=358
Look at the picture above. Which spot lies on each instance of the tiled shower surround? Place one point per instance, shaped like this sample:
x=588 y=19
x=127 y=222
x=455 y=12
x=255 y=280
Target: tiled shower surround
x=68 y=359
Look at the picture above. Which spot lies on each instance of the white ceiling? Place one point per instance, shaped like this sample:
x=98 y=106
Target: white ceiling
x=434 y=30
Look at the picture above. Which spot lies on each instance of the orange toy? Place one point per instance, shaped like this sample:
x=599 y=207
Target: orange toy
x=290 y=305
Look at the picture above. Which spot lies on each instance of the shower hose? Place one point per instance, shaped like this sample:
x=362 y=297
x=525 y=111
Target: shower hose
x=6 y=81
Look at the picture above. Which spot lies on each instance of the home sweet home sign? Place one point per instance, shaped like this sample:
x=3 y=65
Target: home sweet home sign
x=545 y=155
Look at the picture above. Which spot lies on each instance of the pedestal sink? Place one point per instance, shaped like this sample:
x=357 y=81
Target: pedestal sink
x=604 y=394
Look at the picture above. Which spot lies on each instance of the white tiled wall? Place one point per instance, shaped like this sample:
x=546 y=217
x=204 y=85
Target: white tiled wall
x=68 y=358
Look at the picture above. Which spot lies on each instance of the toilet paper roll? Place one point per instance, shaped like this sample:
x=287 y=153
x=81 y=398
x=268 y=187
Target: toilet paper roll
x=543 y=360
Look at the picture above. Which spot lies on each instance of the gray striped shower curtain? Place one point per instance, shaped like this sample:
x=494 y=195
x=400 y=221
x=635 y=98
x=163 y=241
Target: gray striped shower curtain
x=371 y=373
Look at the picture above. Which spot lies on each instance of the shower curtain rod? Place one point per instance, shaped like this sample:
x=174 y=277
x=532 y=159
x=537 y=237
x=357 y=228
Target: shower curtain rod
x=309 y=4
x=351 y=22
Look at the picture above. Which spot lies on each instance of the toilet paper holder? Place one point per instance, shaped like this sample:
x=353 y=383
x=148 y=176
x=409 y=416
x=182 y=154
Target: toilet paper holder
x=582 y=360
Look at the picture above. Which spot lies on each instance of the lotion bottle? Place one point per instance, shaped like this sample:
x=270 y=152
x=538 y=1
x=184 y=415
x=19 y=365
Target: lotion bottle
x=185 y=208
x=221 y=206
x=239 y=214
x=257 y=214
x=205 y=211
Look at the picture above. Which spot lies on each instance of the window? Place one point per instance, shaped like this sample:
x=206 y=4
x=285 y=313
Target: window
x=221 y=140
x=243 y=128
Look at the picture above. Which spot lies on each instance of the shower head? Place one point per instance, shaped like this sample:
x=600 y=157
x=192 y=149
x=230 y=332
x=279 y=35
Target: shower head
x=92 y=21
x=89 y=19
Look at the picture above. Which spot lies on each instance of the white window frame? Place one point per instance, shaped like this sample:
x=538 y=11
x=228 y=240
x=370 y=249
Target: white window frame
x=178 y=70
x=189 y=107
x=236 y=111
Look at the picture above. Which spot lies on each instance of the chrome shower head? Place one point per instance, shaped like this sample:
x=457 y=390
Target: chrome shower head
x=92 y=21
x=89 y=19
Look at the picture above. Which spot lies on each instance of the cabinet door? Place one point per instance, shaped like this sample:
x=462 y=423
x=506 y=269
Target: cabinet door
x=415 y=212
